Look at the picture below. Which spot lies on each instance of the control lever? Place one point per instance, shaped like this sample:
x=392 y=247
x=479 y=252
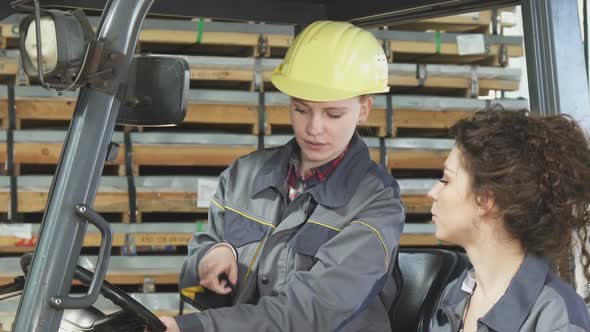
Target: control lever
x=13 y=289
x=16 y=287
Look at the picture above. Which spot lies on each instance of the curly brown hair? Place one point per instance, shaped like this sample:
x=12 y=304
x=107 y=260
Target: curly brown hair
x=537 y=169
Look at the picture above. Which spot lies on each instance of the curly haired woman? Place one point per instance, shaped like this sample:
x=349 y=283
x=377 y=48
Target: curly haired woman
x=515 y=188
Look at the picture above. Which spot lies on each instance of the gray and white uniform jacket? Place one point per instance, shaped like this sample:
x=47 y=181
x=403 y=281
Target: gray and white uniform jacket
x=323 y=262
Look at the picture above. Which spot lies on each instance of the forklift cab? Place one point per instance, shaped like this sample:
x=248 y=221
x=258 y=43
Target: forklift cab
x=118 y=87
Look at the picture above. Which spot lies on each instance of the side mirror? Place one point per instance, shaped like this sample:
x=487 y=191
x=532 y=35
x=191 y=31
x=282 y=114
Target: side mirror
x=157 y=92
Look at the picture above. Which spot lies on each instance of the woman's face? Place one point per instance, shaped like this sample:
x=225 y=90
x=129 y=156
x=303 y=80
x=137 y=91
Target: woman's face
x=323 y=129
x=454 y=207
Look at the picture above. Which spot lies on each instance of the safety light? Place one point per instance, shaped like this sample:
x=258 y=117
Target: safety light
x=54 y=46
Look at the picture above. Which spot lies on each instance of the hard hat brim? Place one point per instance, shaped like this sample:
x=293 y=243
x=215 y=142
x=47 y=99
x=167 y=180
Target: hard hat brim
x=316 y=92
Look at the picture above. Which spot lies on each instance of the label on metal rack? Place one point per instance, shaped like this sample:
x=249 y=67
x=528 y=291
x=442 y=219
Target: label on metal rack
x=471 y=44
x=22 y=231
x=205 y=190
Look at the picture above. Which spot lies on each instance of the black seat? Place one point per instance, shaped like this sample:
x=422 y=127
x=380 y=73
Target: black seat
x=426 y=273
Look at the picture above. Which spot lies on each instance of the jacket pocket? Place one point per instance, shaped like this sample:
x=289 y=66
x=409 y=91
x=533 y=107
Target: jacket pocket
x=306 y=243
x=311 y=237
x=239 y=229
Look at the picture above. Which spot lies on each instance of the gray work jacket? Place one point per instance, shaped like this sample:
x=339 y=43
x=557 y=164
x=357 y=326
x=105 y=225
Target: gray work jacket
x=535 y=301
x=322 y=262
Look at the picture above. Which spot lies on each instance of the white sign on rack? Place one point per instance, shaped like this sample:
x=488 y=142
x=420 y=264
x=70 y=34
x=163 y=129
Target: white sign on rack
x=21 y=231
x=471 y=44
x=508 y=18
x=205 y=190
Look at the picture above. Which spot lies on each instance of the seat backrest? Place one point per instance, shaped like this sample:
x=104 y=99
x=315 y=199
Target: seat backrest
x=426 y=273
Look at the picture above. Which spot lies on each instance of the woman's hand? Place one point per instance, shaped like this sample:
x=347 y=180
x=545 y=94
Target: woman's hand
x=220 y=260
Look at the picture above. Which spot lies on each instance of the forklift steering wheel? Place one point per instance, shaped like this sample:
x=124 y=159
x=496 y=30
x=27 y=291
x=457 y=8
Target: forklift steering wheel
x=113 y=293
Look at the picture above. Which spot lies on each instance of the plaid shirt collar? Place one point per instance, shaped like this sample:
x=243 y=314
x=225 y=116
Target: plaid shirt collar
x=299 y=183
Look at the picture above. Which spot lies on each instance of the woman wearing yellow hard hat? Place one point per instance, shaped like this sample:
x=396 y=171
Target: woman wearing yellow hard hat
x=303 y=237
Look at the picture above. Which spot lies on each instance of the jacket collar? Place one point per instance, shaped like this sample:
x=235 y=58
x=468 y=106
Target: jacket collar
x=513 y=308
x=336 y=190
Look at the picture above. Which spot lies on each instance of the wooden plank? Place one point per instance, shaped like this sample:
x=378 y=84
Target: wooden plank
x=13 y=244
x=40 y=153
x=214 y=74
x=123 y=277
x=415 y=51
x=112 y=202
x=278 y=115
x=422 y=47
x=283 y=41
x=221 y=74
x=399 y=80
x=476 y=21
x=223 y=114
x=9 y=30
x=154 y=199
x=186 y=37
x=59 y=109
x=8 y=69
x=157 y=239
x=452 y=82
x=165 y=233
x=409 y=118
x=175 y=155
x=45 y=108
x=414 y=240
x=410 y=240
x=476 y=18
x=203 y=155
x=35 y=108
x=176 y=235
x=16 y=244
x=212 y=38
x=168 y=202
x=190 y=37
x=8 y=66
x=417 y=203
x=45 y=153
x=415 y=159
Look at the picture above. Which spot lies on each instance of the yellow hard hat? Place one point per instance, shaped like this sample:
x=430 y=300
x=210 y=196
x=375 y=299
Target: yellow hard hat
x=331 y=61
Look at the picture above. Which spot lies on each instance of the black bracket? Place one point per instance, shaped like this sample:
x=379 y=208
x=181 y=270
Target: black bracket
x=389 y=115
x=262 y=45
x=382 y=153
x=421 y=74
x=131 y=189
x=10 y=167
